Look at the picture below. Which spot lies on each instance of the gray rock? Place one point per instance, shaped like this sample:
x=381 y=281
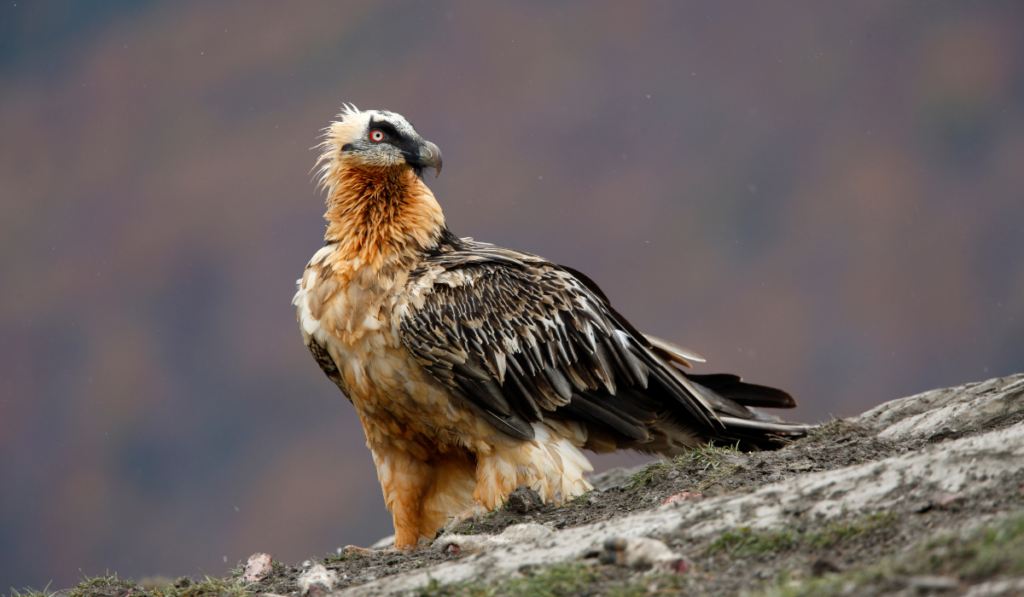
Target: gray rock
x=524 y=499
x=949 y=412
x=616 y=477
x=983 y=446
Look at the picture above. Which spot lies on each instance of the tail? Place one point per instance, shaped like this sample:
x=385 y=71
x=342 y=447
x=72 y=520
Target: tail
x=736 y=404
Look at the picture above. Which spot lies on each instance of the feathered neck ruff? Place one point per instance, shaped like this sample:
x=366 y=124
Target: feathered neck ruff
x=379 y=217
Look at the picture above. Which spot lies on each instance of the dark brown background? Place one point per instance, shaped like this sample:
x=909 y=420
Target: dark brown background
x=823 y=196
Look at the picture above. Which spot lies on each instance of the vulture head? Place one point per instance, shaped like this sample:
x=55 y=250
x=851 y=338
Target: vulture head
x=377 y=140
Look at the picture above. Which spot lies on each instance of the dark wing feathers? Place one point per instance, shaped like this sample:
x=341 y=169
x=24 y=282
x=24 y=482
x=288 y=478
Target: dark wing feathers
x=595 y=410
x=519 y=338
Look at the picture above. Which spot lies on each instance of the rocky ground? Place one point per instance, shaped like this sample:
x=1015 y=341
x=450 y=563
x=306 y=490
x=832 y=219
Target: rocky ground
x=923 y=495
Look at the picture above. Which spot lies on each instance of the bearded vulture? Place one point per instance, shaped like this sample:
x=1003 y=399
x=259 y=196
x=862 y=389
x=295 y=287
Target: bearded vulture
x=476 y=369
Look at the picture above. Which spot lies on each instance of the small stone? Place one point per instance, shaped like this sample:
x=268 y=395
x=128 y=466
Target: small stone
x=258 y=566
x=524 y=499
x=318 y=581
x=642 y=553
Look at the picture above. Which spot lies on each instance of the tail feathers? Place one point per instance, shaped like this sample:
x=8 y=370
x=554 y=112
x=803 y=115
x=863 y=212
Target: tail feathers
x=733 y=388
x=781 y=429
x=735 y=404
x=754 y=435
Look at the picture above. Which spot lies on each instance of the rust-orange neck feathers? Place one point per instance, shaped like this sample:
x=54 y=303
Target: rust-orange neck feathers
x=380 y=216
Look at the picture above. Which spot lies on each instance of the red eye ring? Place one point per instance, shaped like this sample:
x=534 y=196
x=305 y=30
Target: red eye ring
x=377 y=135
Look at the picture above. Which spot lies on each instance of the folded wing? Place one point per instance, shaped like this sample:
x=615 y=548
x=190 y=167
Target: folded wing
x=519 y=339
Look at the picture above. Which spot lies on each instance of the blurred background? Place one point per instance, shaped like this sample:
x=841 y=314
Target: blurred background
x=824 y=197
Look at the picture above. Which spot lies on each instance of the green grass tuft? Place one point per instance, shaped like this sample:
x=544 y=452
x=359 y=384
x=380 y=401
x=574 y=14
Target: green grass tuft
x=988 y=552
x=834 y=428
x=708 y=459
x=744 y=541
x=983 y=553
x=28 y=592
x=112 y=586
x=647 y=475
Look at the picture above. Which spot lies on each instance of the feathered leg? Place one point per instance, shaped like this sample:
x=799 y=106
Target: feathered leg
x=404 y=480
x=551 y=465
x=450 y=494
x=423 y=495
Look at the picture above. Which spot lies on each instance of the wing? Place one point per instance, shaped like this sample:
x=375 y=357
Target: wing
x=519 y=338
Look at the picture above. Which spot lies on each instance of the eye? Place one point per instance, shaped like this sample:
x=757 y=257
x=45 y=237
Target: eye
x=377 y=135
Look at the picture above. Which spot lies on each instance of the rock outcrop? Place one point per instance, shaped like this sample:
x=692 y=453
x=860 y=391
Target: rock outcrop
x=959 y=449
x=923 y=495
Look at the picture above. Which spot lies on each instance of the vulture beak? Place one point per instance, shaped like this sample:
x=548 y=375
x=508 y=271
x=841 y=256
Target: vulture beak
x=430 y=155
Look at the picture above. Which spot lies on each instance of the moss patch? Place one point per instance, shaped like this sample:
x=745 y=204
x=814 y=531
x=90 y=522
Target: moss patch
x=996 y=549
x=743 y=541
x=991 y=551
x=112 y=586
x=707 y=460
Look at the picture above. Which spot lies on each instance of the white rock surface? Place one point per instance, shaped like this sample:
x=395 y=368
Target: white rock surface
x=470 y=544
x=959 y=466
x=318 y=580
x=949 y=411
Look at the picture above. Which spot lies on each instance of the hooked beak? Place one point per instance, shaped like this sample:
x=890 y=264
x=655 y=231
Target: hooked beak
x=430 y=156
